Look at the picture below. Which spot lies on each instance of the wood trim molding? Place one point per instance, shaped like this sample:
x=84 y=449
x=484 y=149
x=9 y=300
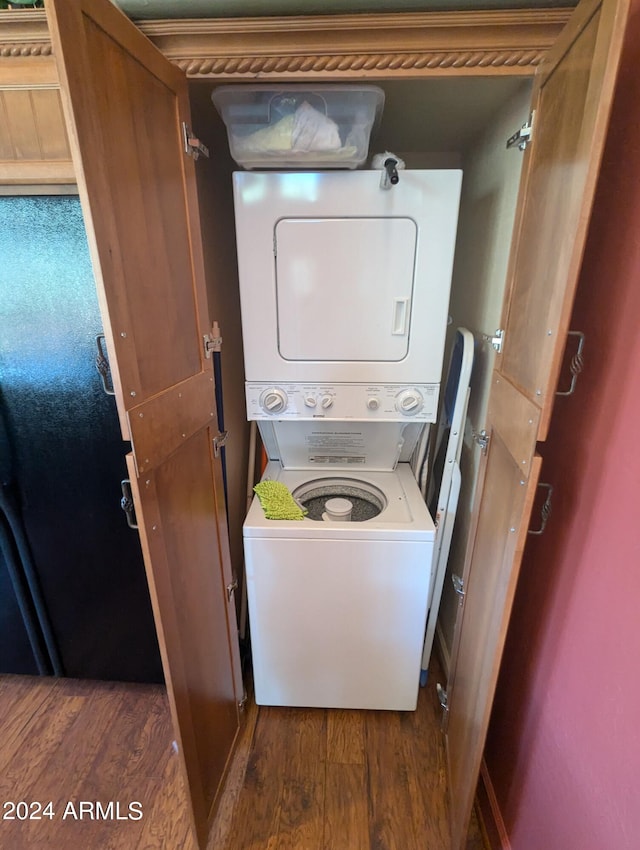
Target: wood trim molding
x=42 y=172
x=492 y=825
x=24 y=33
x=408 y=44
x=360 y=46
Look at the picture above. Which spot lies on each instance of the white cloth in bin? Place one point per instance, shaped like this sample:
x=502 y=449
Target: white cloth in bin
x=306 y=131
x=313 y=131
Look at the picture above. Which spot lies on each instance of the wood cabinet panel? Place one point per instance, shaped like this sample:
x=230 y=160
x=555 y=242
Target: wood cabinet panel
x=125 y=105
x=49 y=120
x=21 y=125
x=34 y=148
x=489 y=589
x=33 y=139
x=572 y=99
x=179 y=523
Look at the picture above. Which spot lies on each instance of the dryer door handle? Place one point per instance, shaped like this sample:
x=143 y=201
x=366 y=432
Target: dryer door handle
x=400 y=316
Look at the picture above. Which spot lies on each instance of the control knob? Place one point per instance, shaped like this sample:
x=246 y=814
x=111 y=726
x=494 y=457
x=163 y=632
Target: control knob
x=326 y=401
x=373 y=403
x=273 y=400
x=409 y=402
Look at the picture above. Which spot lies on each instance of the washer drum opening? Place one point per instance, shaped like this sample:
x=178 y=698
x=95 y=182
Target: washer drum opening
x=368 y=501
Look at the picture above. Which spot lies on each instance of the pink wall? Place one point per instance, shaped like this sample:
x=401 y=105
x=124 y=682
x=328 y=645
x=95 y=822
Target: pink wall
x=563 y=750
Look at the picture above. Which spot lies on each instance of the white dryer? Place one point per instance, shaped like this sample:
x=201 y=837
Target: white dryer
x=342 y=281
x=337 y=609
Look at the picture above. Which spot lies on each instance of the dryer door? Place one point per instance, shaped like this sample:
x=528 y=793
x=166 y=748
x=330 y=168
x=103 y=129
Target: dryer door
x=344 y=287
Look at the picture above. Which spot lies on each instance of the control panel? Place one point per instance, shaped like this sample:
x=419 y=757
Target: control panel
x=363 y=402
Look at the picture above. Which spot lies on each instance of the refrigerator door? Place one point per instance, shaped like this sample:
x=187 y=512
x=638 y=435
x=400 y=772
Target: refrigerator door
x=21 y=647
x=65 y=456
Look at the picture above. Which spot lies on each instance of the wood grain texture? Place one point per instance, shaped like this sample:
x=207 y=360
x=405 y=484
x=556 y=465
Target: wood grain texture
x=124 y=105
x=345 y=737
x=34 y=147
x=138 y=192
x=517 y=419
x=422 y=746
x=301 y=808
x=90 y=741
x=296 y=788
x=67 y=740
x=177 y=511
x=346 y=821
x=27 y=72
x=490 y=820
x=256 y=813
x=572 y=100
x=504 y=512
x=161 y=424
x=391 y=823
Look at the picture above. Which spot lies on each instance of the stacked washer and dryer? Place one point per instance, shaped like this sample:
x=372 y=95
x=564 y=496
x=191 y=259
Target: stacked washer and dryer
x=344 y=287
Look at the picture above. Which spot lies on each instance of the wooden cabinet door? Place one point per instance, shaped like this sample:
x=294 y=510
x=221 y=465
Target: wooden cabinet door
x=571 y=100
x=125 y=104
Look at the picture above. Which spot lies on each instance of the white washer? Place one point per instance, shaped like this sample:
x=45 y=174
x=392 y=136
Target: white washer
x=338 y=609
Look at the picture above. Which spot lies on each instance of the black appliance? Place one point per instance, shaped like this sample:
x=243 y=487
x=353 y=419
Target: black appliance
x=73 y=594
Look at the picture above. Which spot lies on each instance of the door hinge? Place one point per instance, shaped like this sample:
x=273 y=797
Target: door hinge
x=443 y=699
x=524 y=135
x=212 y=342
x=192 y=145
x=219 y=441
x=496 y=341
x=458 y=585
x=482 y=439
x=242 y=703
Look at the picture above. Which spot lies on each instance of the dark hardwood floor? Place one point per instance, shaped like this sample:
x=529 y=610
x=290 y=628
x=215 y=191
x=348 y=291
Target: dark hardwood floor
x=302 y=779
x=66 y=742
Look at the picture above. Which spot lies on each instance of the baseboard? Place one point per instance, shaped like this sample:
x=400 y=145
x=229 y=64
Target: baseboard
x=492 y=825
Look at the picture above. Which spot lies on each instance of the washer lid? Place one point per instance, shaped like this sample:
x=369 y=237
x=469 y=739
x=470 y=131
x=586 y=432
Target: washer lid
x=341 y=444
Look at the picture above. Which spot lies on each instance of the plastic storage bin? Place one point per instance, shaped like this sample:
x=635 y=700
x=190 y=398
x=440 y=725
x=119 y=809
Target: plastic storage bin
x=299 y=126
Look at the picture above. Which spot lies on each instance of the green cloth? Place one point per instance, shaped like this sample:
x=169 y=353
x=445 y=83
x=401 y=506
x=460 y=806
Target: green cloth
x=277 y=502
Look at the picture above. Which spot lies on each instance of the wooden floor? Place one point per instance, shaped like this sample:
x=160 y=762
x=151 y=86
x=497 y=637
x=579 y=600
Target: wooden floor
x=302 y=779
